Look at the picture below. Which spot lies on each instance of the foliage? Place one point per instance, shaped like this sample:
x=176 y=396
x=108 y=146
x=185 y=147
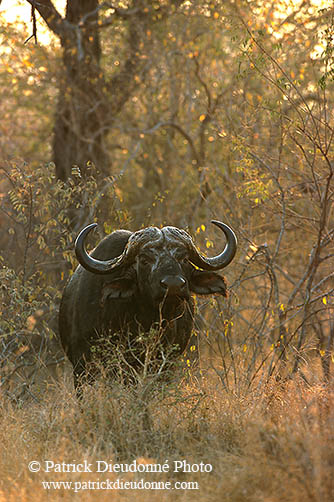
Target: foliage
x=227 y=113
x=28 y=79
x=37 y=259
x=230 y=117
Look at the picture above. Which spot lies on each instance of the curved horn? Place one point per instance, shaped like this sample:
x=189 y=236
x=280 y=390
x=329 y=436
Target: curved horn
x=92 y=264
x=224 y=258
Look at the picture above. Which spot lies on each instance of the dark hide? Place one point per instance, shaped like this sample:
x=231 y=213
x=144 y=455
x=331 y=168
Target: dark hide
x=119 y=309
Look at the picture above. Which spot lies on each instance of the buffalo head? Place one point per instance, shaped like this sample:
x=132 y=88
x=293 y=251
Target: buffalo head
x=161 y=261
x=131 y=281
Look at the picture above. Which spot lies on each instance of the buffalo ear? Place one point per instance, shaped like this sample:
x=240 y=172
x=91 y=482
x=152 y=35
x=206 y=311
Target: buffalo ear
x=118 y=288
x=207 y=283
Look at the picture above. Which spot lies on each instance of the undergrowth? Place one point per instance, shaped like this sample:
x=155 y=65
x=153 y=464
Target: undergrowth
x=271 y=444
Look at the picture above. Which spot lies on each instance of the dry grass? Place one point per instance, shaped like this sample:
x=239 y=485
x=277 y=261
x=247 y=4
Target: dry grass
x=271 y=444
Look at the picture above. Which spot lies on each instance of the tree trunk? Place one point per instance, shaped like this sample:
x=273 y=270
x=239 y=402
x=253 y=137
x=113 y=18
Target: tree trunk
x=81 y=109
x=87 y=103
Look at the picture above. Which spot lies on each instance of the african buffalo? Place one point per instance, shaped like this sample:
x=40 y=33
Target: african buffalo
x=133 y=284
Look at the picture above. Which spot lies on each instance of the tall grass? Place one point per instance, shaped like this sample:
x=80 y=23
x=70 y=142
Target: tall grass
x=273 y=443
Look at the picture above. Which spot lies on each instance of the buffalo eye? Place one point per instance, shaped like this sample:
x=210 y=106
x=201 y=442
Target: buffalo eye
x=146 y=258
x=182 y=258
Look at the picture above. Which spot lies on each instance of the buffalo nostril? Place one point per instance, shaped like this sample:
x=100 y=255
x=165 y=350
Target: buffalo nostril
x=173 y=283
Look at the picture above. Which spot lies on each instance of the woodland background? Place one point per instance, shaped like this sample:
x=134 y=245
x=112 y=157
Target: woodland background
x=154 y=112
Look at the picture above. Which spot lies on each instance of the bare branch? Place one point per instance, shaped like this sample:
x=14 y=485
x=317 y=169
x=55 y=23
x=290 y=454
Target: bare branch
x=51 y=16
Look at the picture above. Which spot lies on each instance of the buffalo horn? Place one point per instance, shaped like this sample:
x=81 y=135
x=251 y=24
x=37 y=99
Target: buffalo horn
x=224 y=258
x=91 y=264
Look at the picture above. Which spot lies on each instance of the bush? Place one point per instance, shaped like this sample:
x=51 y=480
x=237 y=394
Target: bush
x=40 y=218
